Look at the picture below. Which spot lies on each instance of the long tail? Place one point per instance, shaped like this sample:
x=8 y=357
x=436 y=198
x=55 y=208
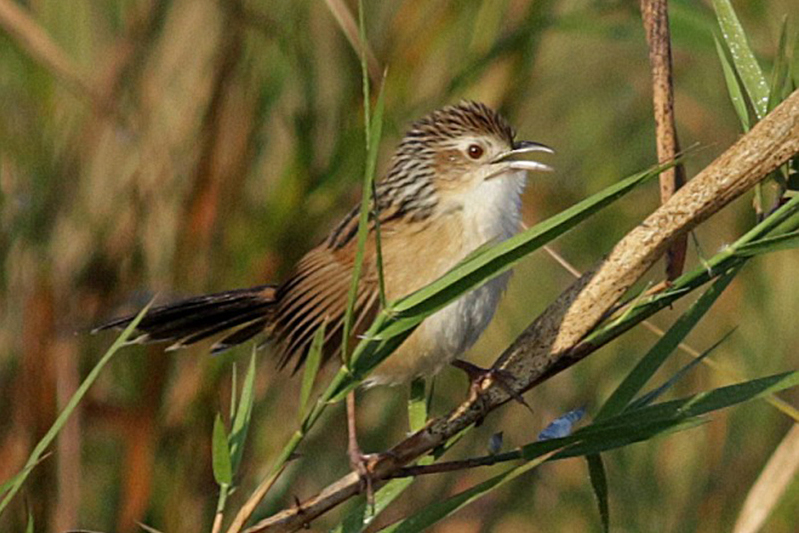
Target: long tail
x=241 y=314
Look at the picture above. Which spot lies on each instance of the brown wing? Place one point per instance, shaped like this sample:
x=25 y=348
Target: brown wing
x=317 y=293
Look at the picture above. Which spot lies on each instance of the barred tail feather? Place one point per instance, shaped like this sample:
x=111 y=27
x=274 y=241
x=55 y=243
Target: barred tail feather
x=239 y=314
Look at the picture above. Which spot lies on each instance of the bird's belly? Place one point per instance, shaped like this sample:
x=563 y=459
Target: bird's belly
x=489 y=215
x=442 y=337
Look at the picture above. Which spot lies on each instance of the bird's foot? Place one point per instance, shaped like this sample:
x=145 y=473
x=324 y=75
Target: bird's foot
x=477 y=375
x=364 y=465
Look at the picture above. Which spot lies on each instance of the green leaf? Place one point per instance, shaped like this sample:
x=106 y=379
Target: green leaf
x=312 y=364
x=372 y=136
x=743 y=58
x=433 y=513
x=780 y=70
x=734 y=89
x=241 y=421
x=29 y=527
x=221 y=454
x=653 y=395
x=787 y=241
x=656 y=356
x=597 y=476
x=73 y=402
x=417 y=405
x=375 y=133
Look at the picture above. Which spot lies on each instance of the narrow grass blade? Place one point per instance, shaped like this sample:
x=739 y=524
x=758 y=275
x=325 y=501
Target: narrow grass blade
x=656 y=356
x=743 y=58
x=787 y=241
x=234 y=389
x=372 y=142
x=375 y=132
x=597 y=476
x=734 y=89
x=244 y=412
x=312 y=364
x=73 y=402
x=780 y=70
x=221 y=454
x=417 y=405
x=653 y=395
x=441 y=509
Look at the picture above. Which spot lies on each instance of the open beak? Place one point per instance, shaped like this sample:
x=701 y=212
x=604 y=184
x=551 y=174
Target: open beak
x=512 y=161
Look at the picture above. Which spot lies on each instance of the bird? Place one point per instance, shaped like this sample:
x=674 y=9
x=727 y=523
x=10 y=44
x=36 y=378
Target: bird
x=454 y=184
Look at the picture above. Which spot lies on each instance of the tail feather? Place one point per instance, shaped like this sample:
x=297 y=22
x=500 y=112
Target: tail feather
x=243 y=312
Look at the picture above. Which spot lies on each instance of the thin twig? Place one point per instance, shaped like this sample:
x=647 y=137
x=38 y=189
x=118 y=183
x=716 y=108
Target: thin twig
x=656 y=25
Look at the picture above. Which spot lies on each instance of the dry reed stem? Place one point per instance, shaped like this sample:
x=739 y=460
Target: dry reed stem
x=770 y=486
x=545 y=347
x=656 y=25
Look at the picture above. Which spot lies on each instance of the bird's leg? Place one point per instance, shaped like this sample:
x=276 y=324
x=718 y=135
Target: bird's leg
x=359 y=461
x=477 y=375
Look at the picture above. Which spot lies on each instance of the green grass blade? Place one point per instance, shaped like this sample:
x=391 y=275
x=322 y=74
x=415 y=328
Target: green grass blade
x=597 y=476
x=734 y=89
x=221 y=454
x=696 y=405
x=743 y=58
x=437 y=511
x=312 y=364
x=780 y=70
x=417 y=405
x=653 y=395
x=234 y=389
x=372 y=142
x=244 y=412
x=375 y=132
x=659 y=353
x=73 y=402
x=787 y=241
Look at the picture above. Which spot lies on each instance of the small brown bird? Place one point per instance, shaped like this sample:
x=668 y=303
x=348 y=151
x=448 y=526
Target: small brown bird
x=454 y=184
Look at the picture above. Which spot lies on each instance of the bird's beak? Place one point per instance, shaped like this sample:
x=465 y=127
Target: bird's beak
x=511 y=159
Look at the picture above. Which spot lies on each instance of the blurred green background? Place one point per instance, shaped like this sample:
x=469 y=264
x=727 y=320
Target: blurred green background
x=187 y=146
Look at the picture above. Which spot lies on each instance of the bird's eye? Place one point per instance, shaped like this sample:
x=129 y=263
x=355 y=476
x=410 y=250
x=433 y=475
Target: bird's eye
x=475 y=151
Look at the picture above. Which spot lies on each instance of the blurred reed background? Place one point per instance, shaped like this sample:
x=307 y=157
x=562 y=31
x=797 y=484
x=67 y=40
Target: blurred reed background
x=181 y=146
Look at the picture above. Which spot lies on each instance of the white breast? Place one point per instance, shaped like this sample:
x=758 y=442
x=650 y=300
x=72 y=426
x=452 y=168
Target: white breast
x=491 y=213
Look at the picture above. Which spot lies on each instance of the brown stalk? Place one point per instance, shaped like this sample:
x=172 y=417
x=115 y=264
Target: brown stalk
x=548 y=345
x=656 y=25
